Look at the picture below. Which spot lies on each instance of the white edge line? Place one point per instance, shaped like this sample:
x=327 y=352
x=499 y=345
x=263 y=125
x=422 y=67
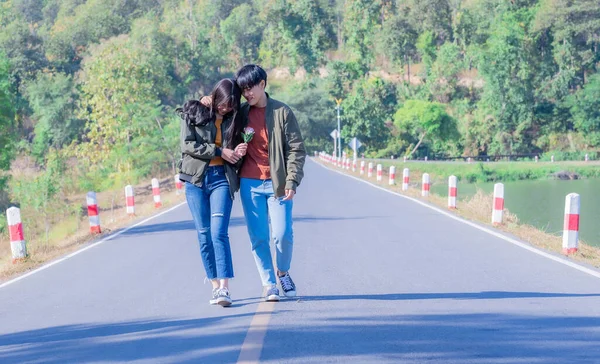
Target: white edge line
x=71 y=255
x=476 y=226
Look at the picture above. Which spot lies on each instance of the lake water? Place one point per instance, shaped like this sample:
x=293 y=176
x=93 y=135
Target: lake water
x=542 y=203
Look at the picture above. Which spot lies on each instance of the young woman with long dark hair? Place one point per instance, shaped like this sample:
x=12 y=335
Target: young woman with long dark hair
x=212 y=150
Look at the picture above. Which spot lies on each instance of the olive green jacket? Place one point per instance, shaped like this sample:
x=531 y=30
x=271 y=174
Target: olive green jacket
x=198 y=148
x=286 y=147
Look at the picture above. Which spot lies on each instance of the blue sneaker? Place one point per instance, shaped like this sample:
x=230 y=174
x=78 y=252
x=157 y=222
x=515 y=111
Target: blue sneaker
x=272 y=294
x=288 y=286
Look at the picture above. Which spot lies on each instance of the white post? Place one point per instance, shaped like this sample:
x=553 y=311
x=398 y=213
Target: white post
x=370 y=170
x=379 y=172
x=130 y=202
x=392 y=179
x=498 y=208
x=92 y=205
x=18 y=247
x=156 y=193
x=452 y=192
x=571 y=224
x=362 y=167
x=426 y=185
x=178 y=185
x=405 y=178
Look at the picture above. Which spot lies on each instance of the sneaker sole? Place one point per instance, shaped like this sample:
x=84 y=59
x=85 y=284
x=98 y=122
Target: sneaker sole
x=212 y=302
x=272 y=298
x=224 y=302
x=290 y=294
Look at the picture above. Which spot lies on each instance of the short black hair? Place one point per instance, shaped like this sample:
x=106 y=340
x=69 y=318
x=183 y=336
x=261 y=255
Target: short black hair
x=250 y=75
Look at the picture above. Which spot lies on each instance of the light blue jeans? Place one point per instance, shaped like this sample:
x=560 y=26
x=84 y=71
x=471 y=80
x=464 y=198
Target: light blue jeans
x=211 y=208
x=260 y=204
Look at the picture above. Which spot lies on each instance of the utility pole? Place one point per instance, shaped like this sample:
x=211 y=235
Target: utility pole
x=339 y=102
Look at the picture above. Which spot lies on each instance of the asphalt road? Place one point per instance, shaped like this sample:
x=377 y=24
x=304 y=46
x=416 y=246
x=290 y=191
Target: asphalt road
x=380 y=279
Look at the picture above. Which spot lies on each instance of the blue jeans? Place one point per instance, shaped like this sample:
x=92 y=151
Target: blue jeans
x=211 y=209
x=260 y=204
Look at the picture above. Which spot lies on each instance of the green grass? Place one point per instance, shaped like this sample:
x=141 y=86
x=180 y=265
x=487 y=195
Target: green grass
x=478 y=172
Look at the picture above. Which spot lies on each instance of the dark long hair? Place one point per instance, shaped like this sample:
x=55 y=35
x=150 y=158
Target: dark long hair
x=225 y=92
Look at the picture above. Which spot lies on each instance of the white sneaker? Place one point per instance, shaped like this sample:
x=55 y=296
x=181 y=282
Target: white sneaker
x=215 y=296
x=272 y=294
x=223 y=298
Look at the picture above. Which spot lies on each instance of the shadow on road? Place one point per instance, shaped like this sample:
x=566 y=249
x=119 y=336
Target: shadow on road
x=485 y=295
x=234 y=221
x=127 y=341
x=437 y=338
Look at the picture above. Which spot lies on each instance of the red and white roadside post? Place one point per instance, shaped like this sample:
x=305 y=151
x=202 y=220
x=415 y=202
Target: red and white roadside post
x=362 y=167
x=93 y=216
x=129 y=200
x=392 y=175
x=405 y=178
x=571 y=224
x=452 y=191
x=370 y=170
x=156 y=193
x=354 y=165
x=379 y=172
x=587 y=157
x=426 y=186
x=498 y=204
x=18 y=247
x=178 y=185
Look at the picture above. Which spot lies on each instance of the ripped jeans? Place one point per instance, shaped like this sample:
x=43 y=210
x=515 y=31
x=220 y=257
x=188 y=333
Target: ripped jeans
x=211 y=208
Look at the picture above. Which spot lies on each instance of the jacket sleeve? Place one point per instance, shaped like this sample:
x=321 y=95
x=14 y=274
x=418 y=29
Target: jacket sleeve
x=190 y=146
x=295 y=154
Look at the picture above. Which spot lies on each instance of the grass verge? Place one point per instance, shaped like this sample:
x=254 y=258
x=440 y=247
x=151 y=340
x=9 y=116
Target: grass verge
x=496 y=171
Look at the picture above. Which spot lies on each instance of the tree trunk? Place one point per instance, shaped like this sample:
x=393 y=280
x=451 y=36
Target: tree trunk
x=418 y=144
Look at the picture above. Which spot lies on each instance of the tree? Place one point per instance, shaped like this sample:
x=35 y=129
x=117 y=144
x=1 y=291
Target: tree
x=121 y=85
x=361 y=22
x=398 y=40
x=7 y=116
x=424 y=119
x=442 y=80
x=242 y=34
x=297 y=33
x=53 y=99
x=367 y=111
x=585 y=107
x=509 y=92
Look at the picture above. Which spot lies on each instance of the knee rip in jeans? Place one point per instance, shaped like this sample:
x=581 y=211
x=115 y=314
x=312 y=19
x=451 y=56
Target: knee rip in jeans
x=218 y=214
x=204 y=230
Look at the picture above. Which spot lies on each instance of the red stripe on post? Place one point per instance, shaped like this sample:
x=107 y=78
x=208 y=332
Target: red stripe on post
x=405 y=180
x=452 y=191
x=155 y=191
x=16 y=232
x=426 y=187
x=499 y=203
x=130 y=201
x=571 y=222
x=93 y=210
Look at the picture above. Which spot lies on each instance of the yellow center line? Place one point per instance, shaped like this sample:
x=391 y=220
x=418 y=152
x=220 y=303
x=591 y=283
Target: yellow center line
x=255 y=338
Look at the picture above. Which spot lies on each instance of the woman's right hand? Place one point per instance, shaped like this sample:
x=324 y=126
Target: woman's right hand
x=241 y=149
x=230 y=155
x=206 y=101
